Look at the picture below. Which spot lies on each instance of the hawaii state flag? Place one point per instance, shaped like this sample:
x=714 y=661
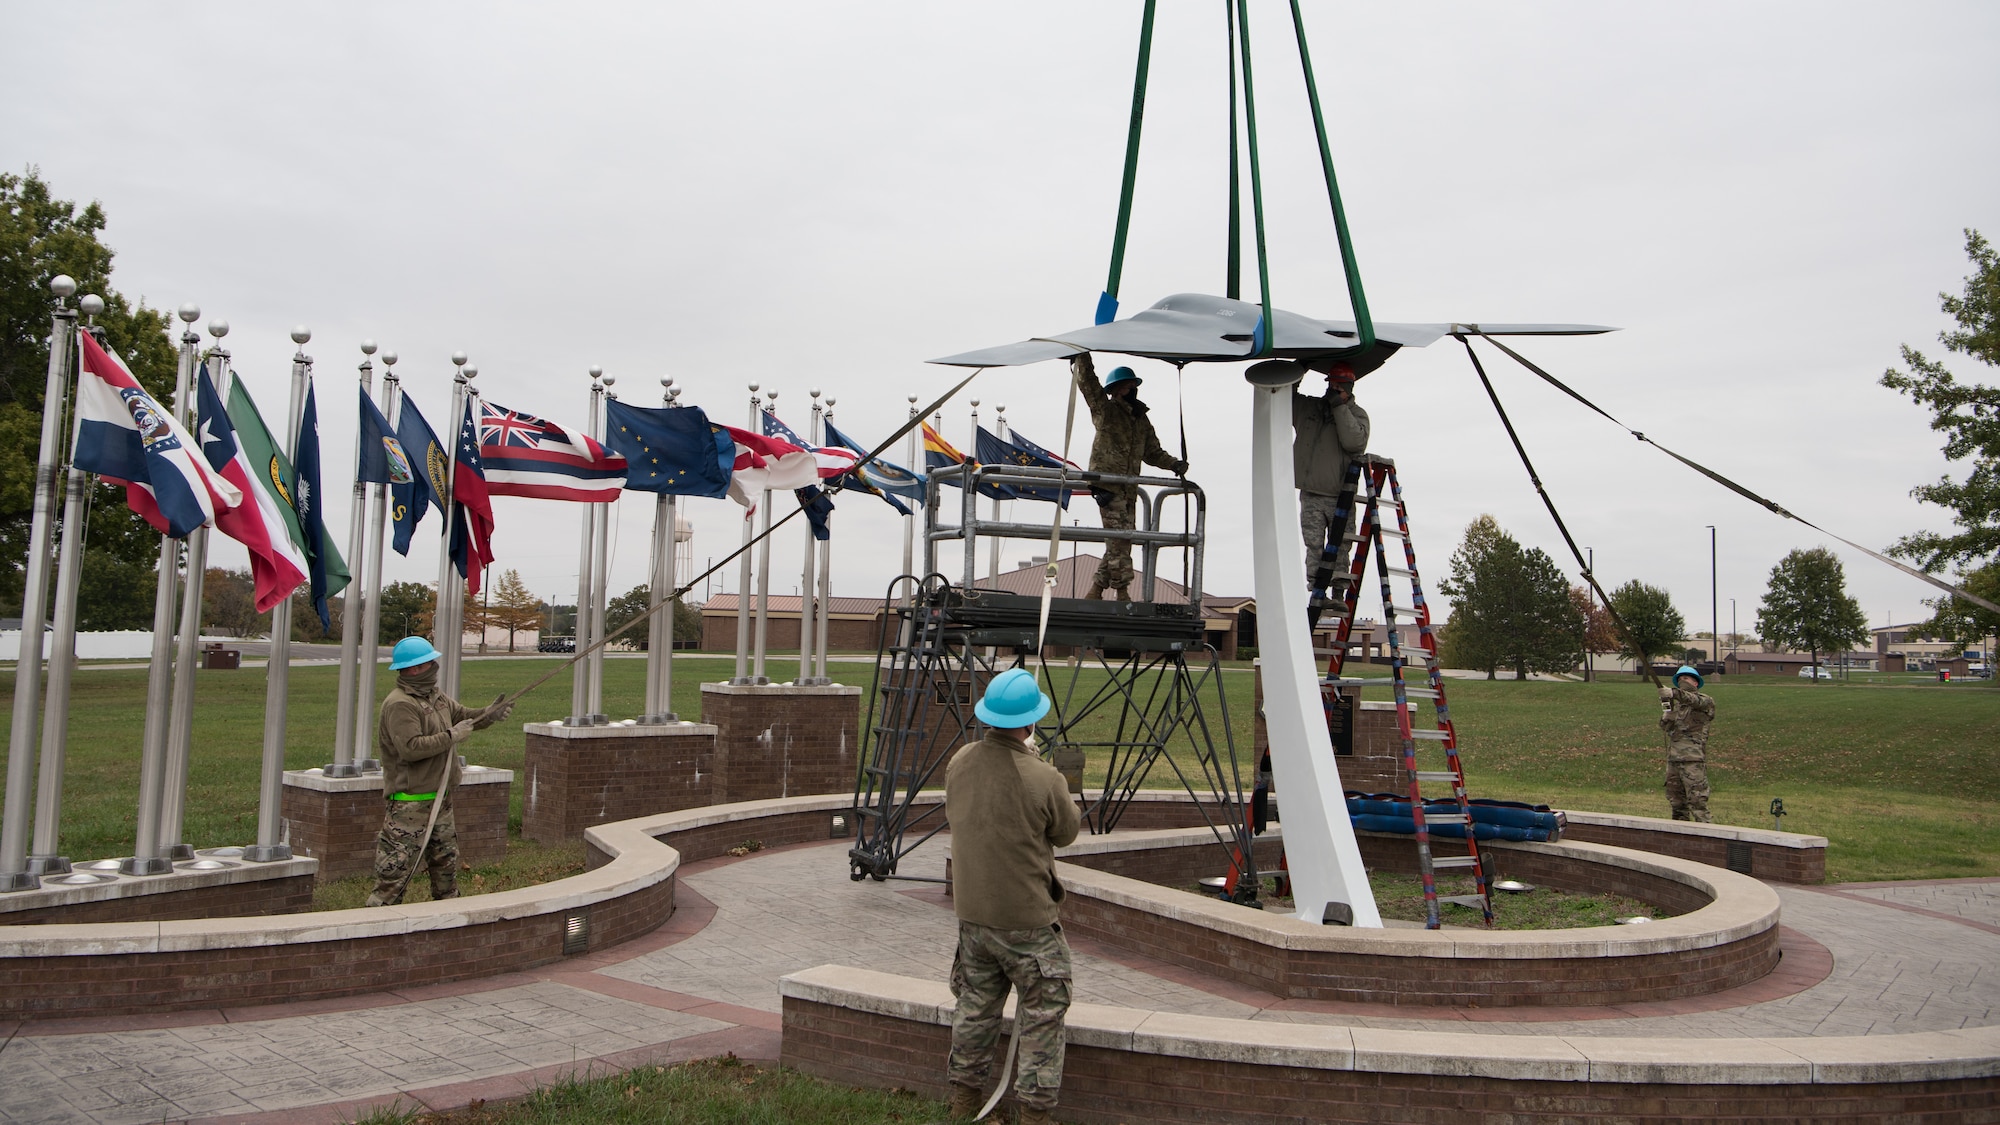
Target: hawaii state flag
x=471 y=506
x=529 y=456
x=767 y=463
x=127 y=438
x=277 y=565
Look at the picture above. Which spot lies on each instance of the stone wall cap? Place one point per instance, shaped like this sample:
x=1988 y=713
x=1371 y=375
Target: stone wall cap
x=52 y=894
x=725 y=688
x=1694 y=1061
x=620 y=730
x=1510 y=1057
x=316 y=780
x=1763 y=836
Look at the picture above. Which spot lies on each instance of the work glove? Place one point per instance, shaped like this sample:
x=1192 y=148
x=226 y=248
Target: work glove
x=495 y=711
x=1080 y=364
x=1666 y=694
x=1180 y=468
x=462 y=730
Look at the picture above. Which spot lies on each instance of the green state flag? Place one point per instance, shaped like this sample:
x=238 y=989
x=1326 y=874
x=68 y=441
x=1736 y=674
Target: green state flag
x=277 y=476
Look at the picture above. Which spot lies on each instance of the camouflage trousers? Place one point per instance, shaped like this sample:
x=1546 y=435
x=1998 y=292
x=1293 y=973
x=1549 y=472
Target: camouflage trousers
x=396 y=856
x=1687 y=783
x=1116 y=508
x=1319 y=517
x=1036 y=964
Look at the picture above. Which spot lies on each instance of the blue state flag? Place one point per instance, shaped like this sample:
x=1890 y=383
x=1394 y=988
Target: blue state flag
x=880 y=477
x=324 y=567
x=818 y=506
x=378 y=456
x=995 y=450
x=429 y=470
x=673 y=449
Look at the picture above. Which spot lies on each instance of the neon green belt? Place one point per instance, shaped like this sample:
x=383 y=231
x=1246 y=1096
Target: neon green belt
x=411 y=796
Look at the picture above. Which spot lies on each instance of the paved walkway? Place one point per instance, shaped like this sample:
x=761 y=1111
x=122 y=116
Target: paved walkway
x=1861 y=959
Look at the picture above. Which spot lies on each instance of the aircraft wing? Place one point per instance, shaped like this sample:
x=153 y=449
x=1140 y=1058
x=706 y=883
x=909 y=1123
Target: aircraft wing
x=1197 y=328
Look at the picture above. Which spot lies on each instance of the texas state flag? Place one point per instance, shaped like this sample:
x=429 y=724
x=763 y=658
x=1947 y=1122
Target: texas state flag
x=277 y=565
x=126 y=437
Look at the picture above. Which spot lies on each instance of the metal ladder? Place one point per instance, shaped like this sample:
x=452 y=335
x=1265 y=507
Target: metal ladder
x=1366 y=477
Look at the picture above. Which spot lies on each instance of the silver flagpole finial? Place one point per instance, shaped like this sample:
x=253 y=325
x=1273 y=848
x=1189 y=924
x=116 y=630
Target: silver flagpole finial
x=389 y=359
x=63 y=286
x=596 y=372
x=468 y=373
x=610 y=380
x=814 y=392
x=913 y=400
x=753 y=388
x=92 y=304
x=367 y=347
x=458 y=359
x=218 y=328
x=190 y=312
x=301 y=334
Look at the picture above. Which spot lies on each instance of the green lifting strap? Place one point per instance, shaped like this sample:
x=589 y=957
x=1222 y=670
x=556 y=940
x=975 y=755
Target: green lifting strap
x=1261 y=338
x=1233 y=274
x=1364 y=323
x=1107 y=305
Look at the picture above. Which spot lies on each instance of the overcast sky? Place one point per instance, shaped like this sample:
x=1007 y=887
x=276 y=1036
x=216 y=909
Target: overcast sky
x=1766 y=198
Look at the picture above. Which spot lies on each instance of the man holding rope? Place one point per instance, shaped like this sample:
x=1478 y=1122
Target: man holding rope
x=420 y=731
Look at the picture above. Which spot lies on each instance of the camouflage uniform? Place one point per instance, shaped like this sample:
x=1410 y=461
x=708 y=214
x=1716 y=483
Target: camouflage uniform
x=1326 y=437
x=418 y=749
x=1036 y=964
x=1124 y=440
x=1685 y=717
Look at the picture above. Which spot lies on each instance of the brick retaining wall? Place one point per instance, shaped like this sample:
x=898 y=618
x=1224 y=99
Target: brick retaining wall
x=578 y=777
x=782 y=740
x=336 y=819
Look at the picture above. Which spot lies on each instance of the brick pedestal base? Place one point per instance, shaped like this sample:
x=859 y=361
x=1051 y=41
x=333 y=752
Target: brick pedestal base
x=579 y=777
x=1376 y=765
x=781 y=740
x=336 y=819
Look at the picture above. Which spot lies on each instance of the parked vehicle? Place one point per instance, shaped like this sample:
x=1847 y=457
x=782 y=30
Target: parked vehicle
x=1815 y=673
x=556 y=644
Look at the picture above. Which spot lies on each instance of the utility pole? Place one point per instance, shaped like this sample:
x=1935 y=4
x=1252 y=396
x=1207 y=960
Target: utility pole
x=1714 y=618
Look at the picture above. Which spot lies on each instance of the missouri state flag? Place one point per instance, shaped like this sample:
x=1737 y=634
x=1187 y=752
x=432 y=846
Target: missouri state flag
x=125 y=436
x=533 y=457
x=277 y=564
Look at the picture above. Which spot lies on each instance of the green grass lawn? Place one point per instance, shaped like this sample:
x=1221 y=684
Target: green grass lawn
x=1902 y=778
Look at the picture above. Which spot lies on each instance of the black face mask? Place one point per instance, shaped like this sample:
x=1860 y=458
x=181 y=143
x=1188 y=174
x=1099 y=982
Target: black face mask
x=423 y=675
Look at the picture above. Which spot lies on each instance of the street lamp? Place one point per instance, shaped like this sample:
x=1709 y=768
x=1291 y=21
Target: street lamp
x=1714 y=617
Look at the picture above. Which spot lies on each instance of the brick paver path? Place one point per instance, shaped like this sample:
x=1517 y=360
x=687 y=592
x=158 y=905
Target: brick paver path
x=1864 y=959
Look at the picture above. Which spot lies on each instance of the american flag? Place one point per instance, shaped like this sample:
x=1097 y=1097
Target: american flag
x=533 y=457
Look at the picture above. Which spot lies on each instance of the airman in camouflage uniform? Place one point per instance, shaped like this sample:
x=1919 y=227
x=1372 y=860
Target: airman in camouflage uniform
x=1685 y=714
x=419 y=733
x=1009 y=810
x=1328 y=433
x=1124 y=440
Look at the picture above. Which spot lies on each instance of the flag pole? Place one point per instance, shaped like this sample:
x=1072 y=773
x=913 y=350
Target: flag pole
x=763 y=567
x=825 y=578
x=14 y=874
x=351 y=611
x=146 y=858
x=579 y=691
x=743 y=572
x=180 y=734
x=910 y=521
x=659 y=587
x=993 y=541
x=445 y=632
x=363 y=724
x=278 y=666
x=44 y=857
x=807 y=610
x=600 y=568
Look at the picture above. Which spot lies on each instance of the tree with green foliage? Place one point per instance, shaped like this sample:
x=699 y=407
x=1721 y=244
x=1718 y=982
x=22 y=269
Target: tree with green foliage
x=1509 y=606
x=633 y=603
x=408 y=609
x=1652 y=626
x=1955 y=619
x=1807 y=605
x=229 y=603
x=1968 y=413
x=42 y=236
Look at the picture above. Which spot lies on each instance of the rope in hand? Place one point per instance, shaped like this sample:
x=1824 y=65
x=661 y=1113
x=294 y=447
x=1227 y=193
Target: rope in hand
x=1473 y=329
x=833 y=486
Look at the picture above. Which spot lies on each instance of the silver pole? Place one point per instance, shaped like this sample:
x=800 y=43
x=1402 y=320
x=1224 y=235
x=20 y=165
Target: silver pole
x=180 y=732
x=910 y=521
x=807 y=609
x=45 y=857
x=825 y=583
x=278 y=668
x=993 y=542
x=763 y=568
x=660 y=587
x=970 y=521
x=601 y=570
x=364 y=724
x=446 y=632
x=351 y=610
x=14 y=830
x=146 y=858
x=579 y=689
x=743 y=575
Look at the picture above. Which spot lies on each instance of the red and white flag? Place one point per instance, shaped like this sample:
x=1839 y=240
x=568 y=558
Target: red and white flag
x=768 y=463
x=277 y=565
x=127 y=438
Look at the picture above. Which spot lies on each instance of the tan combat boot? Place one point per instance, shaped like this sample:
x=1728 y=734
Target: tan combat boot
x=965 y=1101
x=1032 y=1116
x=1124 y=593
x=1096 y=590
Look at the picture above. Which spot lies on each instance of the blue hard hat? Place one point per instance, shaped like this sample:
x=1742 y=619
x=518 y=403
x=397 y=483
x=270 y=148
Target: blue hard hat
x=1120 y=375
x=1688 y=670
x=1012 y=700
x=410 y=652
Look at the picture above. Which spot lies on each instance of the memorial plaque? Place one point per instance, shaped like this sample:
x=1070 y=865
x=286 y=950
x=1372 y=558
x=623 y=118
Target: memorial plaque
x=1340 y=722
